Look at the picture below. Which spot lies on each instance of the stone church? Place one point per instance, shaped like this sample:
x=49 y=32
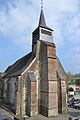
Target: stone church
x=36 y=83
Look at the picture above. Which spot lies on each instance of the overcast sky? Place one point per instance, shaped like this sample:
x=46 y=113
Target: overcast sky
x=18 y=18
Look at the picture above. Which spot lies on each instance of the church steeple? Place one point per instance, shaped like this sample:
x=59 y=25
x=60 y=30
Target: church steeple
x=42 y=22
x=42 y=32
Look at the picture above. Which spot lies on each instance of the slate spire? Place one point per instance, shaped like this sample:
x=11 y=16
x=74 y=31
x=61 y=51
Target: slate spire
x=42 y=22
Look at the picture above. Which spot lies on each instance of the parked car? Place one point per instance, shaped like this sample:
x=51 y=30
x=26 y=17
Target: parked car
x=77 y=104
x=71 y=102
x=74 y=103
x=76 y=118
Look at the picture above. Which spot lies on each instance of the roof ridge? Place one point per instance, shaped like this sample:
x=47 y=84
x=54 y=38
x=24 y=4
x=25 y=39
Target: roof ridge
x=18 y=64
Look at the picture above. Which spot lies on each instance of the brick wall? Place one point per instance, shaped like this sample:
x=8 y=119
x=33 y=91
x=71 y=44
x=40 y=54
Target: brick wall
x=52 y=81
x=49 y=97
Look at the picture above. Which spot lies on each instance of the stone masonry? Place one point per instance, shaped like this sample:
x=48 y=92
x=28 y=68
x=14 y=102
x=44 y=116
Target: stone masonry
x=36 y=83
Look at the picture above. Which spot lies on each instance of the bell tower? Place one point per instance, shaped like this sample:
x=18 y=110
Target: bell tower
x=42 y=32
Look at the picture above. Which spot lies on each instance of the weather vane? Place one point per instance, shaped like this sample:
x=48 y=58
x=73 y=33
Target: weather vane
x=41 y=4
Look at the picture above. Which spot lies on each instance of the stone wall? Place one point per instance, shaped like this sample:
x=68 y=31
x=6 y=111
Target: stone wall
x=62 y=81
x=64 y=102
x=49 y=95
x=59 y=96
x=23 y=103
x=18 y=97
x=12 y=89
x=41 y=95
x=21 y=96
x=32 y=101
x=52 y=82
x=44 y=80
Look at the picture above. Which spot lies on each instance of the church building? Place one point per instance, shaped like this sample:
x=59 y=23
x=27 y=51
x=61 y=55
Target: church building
x=36 y=83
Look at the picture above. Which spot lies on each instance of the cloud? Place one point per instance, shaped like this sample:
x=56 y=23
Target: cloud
x=24 y=42
x=21 y=14
x=18 y=18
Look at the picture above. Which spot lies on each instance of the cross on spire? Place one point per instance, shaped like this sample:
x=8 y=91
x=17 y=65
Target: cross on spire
x=41 y=4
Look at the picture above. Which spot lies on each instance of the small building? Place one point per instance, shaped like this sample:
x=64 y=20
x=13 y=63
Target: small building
x=36 y=83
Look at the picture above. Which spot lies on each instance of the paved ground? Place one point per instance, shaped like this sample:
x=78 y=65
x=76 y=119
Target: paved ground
x=40 y=117
x=4 y=114
x=71 y=112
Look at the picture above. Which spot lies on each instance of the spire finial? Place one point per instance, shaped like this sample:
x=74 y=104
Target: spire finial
x=41 y=4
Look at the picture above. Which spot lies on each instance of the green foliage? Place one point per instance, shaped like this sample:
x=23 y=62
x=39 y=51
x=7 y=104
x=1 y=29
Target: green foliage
x=74 y=81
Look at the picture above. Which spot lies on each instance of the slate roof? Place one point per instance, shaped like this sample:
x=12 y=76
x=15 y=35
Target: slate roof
x=62 y=77
x=42 y=22
x=61 y=72
x=42 y=19
x=19 y=66
x=32 y=76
